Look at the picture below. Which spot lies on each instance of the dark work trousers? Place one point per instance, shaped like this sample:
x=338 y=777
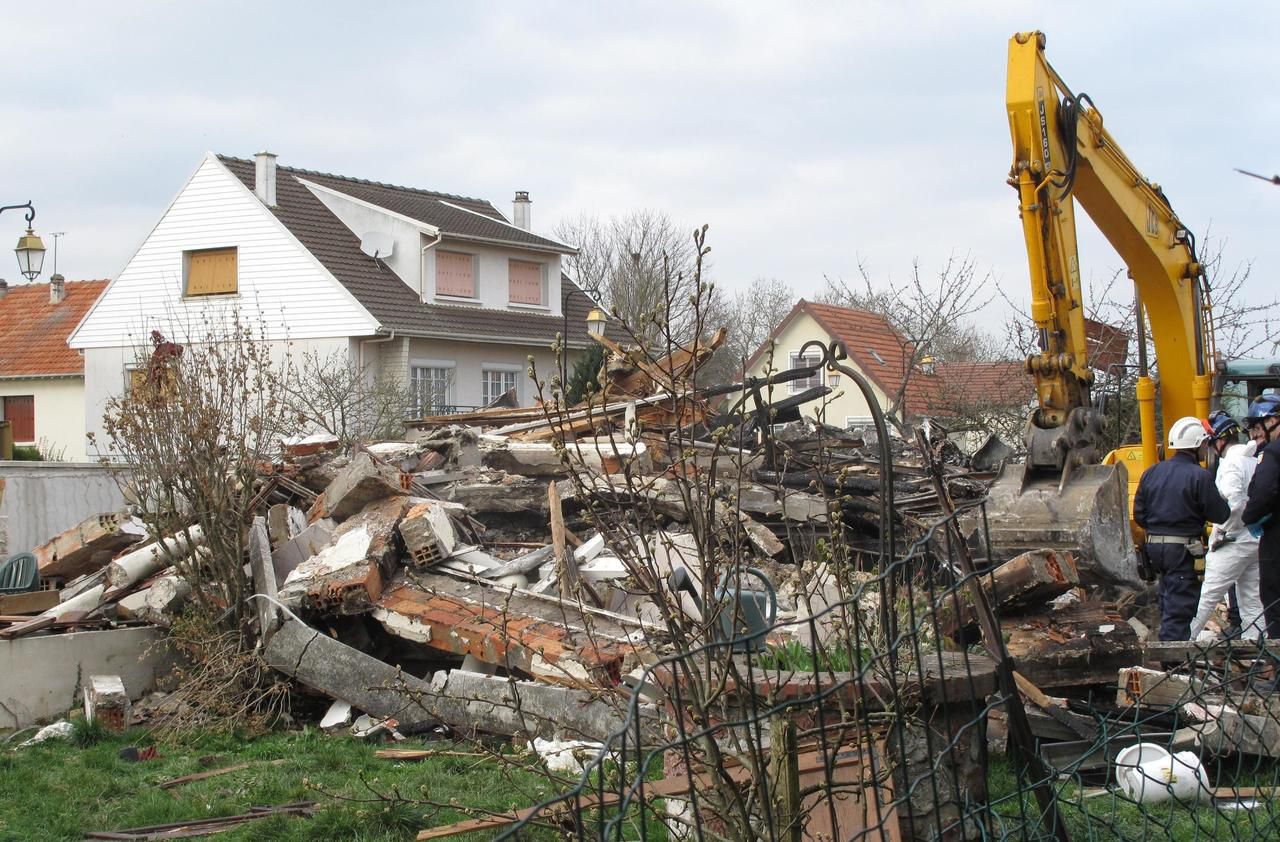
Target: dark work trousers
x=1179 y=589
x=1269 y=582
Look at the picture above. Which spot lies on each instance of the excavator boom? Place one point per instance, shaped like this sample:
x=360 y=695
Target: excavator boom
x=1062 y=497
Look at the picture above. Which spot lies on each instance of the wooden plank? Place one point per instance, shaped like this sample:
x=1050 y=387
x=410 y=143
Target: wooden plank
x=213 y=773
x=668 y=788
x=33 y=602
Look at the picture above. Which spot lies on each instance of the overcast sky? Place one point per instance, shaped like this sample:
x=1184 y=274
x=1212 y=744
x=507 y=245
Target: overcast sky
x=809 y=136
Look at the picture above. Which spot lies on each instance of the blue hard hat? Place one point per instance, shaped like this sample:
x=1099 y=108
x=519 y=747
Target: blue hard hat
x=1263 y=406
x=1221 y=424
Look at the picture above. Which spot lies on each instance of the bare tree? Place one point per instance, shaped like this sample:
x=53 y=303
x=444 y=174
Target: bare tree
x=931 y=320
x=349 y=401
x=198 y=422
x=640 y=265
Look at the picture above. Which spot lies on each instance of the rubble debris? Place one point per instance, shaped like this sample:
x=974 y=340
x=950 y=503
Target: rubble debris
x=546 y=639
x=31 y=602
x=87 y=546
x=427 y=533
x=347 y=576
x=61 y=730
x=166 y=597
x=331 y=667
x=362 y=482
x=315 y=537
x=337 y=717
x=1020 y=584
x=107 y=702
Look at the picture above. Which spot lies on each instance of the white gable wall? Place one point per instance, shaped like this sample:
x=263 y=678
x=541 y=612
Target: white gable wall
x=845 y=401
x=281 y=286
x=362 y=218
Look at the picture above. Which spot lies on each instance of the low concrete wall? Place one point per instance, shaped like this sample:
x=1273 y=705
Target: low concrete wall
x=41 y=676
x=42 y=499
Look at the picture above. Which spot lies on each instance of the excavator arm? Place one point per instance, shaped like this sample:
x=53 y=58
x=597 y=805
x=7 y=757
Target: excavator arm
x=1063 y=498
x=1062 y=152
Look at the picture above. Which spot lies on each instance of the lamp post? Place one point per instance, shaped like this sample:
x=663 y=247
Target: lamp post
x=30 y=249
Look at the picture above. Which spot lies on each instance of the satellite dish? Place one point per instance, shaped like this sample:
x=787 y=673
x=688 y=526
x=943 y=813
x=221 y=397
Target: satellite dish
x=377 y=244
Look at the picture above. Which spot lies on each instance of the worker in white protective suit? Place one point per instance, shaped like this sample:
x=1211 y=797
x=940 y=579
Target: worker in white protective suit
x=1233 y=553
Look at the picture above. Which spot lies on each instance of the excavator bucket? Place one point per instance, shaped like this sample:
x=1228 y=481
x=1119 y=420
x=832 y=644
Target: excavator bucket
x=1087 y=515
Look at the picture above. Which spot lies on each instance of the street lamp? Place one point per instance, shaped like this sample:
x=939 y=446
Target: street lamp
x=595 y=321
x=30 y=249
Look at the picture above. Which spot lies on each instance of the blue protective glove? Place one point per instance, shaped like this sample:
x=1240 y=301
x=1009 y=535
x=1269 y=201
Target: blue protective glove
x=1256 y=529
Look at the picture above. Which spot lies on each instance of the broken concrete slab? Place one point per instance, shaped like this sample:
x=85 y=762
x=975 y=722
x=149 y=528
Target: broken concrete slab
x=529 y=459
x=264 y=576
x=347 y=576
x=52 y=668
x=427 y=533
x=88 y=545
x=529 y=709
x=360 y=483
x=337 y=670
x=511 y=495
x=165 y=598
x=106 y=702
x=307 y=543
x=284 y=522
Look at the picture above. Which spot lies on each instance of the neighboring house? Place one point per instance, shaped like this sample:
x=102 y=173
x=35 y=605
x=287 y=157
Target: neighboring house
x=436 y=292
x=978 y=398
x=41 y=378
x=876 y=351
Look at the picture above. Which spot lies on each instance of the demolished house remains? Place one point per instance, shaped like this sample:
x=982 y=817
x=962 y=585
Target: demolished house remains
x=759 y=618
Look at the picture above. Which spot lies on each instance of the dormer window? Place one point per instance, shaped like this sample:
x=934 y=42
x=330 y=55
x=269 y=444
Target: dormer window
x=527 y=283
x=455 y=274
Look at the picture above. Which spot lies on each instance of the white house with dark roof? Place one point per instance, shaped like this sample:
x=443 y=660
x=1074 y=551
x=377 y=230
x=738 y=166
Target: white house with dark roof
x=441 y=292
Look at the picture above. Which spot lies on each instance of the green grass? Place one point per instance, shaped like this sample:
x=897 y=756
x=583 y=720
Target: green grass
x=1112 y=817
x=60 y=790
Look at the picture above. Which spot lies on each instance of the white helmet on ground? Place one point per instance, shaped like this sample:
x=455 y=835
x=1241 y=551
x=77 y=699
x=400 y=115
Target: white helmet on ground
x=1187 y=433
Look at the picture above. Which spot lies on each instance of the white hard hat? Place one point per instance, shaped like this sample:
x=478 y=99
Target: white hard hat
x=1187 y=433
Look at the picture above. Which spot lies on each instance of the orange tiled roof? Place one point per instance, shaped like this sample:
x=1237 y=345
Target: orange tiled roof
x=33 y=332
x=996 y=383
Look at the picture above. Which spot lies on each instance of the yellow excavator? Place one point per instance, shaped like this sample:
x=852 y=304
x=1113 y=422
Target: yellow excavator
x=1070 y=495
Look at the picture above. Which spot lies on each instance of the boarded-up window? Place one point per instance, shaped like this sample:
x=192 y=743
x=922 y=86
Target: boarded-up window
x=455 y=274
x=526 y=282
x=211 y=272
x=20 y=411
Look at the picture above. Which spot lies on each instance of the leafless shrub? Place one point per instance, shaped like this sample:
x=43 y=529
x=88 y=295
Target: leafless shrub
x=194 y=429
x=352 y=402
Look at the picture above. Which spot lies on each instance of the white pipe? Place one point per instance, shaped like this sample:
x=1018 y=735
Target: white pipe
x=364 y=342
x=139 y=564
x=422 y=267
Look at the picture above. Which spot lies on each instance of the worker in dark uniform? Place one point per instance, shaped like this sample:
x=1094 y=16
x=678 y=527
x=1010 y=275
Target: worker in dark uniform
x=1175 y=499
x=1262 y=512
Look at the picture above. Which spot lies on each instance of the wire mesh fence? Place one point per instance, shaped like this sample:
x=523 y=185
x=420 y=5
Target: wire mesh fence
x=887 y=706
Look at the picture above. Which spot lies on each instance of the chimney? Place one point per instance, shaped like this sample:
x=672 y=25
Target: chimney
x=4 y=287
x=522 y=210
x=57 y=289
x=264 y=178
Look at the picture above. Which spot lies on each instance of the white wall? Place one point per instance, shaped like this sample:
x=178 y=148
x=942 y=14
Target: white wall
x=280 y=285
x=492 y=281
x=361 y=218
x=844 y=402
x=469 y=359
x=105 y=372
x=59 y=408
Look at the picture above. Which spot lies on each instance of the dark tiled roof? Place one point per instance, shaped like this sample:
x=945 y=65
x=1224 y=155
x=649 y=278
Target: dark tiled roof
x=33 y=331
x=379 y=290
